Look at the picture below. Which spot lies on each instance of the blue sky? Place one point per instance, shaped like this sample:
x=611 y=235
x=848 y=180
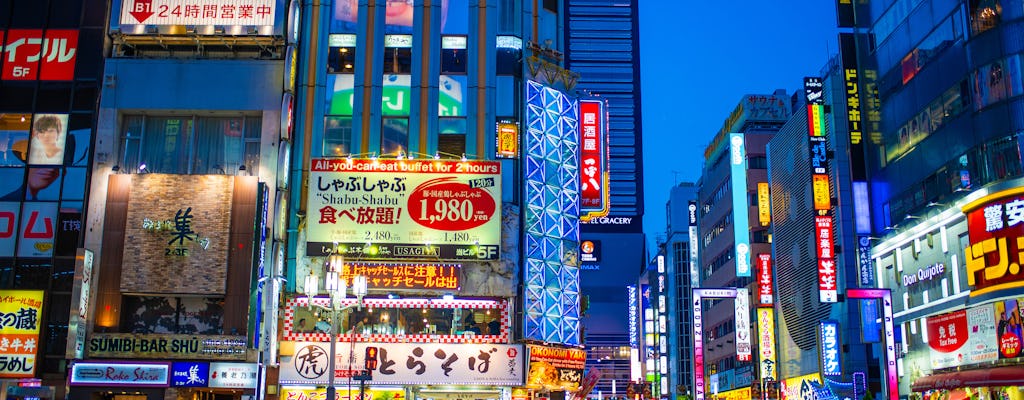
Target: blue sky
x=698 y=58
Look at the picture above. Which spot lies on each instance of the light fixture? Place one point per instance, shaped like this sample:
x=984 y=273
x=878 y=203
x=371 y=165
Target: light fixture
x=909 y=217
x=437 y=156
x=115 y=169
x=463 y=157
x=142 y=168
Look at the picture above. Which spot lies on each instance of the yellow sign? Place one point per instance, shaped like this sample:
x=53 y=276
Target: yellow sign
x=766 y=341
x=20 y=313
x=735 y=394
x=797 y=388
x=820 y=192
x=508 y=139
x=764 y=208
x=343 y=393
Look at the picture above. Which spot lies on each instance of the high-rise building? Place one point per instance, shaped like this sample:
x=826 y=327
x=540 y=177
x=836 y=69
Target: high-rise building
x=732 y=235
x=51 y=71
x=602 y=46
x=681 y=252
x=941 y=171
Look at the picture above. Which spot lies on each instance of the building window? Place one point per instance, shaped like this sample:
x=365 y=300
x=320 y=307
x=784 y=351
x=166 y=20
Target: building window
x=341 y=60
x=397 y=60
x=394 y=135
x=181 y=315
x=985 y=15
x=337 y=136
x=190 y=144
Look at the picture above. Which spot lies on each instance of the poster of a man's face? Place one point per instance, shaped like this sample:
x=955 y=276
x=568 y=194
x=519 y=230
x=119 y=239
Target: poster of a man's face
x=46 y=146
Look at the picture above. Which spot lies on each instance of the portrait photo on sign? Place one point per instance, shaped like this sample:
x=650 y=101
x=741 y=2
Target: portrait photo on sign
x=48 y=136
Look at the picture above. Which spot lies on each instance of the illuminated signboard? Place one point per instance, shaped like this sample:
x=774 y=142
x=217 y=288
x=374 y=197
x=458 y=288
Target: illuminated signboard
x=995 y=225
x=507 y=137
x=405 y=275
x=819 y=155
x=380 y=209
x=555 y=368
x=816 y=126
x=79 y=304
x=551 y=313
x=764 y=207
x=634 y=317
x=892 y=379
x=108 y=374
x=866 y=269
x=741 y=223
x=21 y=313
x=138 y=345
x=409 y=363
x=766 y=342
x=854 y=113
x=830 y=365
x=593 y=160
x=590 y=251
x=698 y=333
x=190 y=374
x=814 y=90
x=827 y=277
x=742 y=318
x=29 y=54
x=820 y=192
x=694 y=273
x=765 y=285
x=196 y=12
x=805 y=387
x=233 y=375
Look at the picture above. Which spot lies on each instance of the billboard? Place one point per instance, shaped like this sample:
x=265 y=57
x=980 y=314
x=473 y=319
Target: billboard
x=31 y=54
x=409 y=363
x=555 y=368
x=387 y=209
x=851 y=80
x=198 y=12
x=20 y=318
x=740 y=208
x=594 y=190
x=995 y=224
x=963 y=337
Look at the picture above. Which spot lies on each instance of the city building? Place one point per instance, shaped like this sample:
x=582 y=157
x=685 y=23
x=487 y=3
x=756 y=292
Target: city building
x=187 y=180
x=681 y=253
x=732 y=235
x=942 y=173
x=602 y=46
x=439 y=155
x=51 y=70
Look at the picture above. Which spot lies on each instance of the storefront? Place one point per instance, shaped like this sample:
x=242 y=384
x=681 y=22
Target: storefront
x=1002 y=383
x=157 y=380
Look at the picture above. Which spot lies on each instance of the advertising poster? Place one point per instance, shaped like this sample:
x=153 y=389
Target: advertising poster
x=20 y=317
x=376 y=209
x=804 y=387
x=1009 y=315
x=553 y=368
x=962 y=337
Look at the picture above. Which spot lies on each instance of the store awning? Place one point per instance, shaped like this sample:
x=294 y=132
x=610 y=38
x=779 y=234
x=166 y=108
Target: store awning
x=1001 y=376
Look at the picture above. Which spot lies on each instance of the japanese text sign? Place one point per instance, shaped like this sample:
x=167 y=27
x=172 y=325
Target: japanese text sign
x=764 y=206
x=816 y=120
x=190 y=374
x=507 y=137
x=765 y=284
x=405 y=275
x=827 y=276
x=198 y=12
x=742 y=318
x=20 y=312
x=821 y=193
x=555 y=367
x=766 y=342
x=410 y=363
x=386 y=209
x=233 y=375
x=830 y=365
x=593 y=160
x=819 y=155
x=995 y=225
x=29 y=54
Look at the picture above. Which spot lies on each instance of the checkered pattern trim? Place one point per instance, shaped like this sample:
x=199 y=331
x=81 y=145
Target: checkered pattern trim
x=302 y=302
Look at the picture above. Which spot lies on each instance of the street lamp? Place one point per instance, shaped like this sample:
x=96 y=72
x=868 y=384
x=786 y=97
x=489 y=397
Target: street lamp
x=337 y=289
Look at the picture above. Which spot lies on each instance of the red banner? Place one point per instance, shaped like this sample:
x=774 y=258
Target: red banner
x=996 y=228
x=765 y=290
x=29 y=55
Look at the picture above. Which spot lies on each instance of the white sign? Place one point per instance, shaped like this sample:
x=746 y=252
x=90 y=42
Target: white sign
x=108 y=374
x=743 y=340
x=233 y=375
x=198 y=12
x=409 y=363
x=392 y=209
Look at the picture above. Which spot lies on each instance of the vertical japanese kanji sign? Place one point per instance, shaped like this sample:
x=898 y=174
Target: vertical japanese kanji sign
x=198 y=12
x=20 y=312
x=828 y=291
x=593 y=160
x=404 y=209
x=28 y=54
x=830 y=364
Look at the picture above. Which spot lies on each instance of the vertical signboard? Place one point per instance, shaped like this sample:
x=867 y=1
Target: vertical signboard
x=766 y=342
x=593 y=160
x=827 y=277
x=79 y=304
x=829 y=337
x=848 y=53
x=765 y=285
x=743 y=342
x=694 y=273
x=995 y=224
x=634 y=316
x=20 y=316
x=885 y=296
x=698 y=334
x=865 y=267
x=764 y=207
x=740 y=208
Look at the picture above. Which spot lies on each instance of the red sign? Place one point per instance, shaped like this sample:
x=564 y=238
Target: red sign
x=948 y=332
x=995 y=224
x=593 y=160
x=29 y=55
x=823 y=234
x=764 y=279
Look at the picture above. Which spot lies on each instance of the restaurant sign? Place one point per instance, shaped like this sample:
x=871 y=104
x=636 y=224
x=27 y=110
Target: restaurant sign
x=196 y=347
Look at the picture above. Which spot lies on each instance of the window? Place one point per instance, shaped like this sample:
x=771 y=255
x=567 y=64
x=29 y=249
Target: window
x=183 y=315
x=394 y=135
x=453 y=54
x=341 y=60
x=190 y=144
x=338 y=136
x=985 y=15
x=757 y=162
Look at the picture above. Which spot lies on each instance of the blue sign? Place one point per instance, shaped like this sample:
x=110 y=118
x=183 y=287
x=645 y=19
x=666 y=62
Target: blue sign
x=740 y=207
x=190 y=374
x=830 y=364
x=869 y=321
